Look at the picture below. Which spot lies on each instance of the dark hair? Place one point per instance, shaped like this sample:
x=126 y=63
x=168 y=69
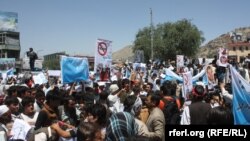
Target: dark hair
x=53 y=95
x=27 y=80
x=89 y=98
x=11 y=100
x=22 y=90
x=79 y=97
x=27 y=100
x=104 y=95
x=154 y=75
x=98 y=110
x=40 y=93
x=143 y=99
x=67 y=99
x=11 y=90
x=198 y=91
x=150 y=84
x=125 y=81
x=86 y=131
x=155 y=98
x=220 y=115
x=158 y=81
x=129 y=102
x=216 y=93
x=136 y=90
x=89 y=89
x=168 y=88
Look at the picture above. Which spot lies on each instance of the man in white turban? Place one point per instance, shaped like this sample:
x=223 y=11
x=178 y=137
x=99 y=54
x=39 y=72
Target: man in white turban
x=5 y=117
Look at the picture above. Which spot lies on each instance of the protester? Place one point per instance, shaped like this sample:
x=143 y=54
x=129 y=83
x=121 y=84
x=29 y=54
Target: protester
x=5 y=117
x=98 y=114
x=32 y=56
x=39 y=101
x=13 y=104
x=156 y=120
x=124 y=108
x=197 y=111
x=133 y=105
x=121 y=126
x=29 y=115
x=67 y=111
x=49 y=112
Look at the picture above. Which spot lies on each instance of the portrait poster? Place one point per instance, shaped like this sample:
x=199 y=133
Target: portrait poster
x=222 y=61
x=187 y=84
x=179 y=62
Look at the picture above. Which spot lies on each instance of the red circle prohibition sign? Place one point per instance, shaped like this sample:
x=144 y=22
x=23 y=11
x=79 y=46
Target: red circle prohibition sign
x=102 y=48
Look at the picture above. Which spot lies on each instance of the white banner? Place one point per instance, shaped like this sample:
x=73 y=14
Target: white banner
x=56 y=73
x=187 y=84
x=179 y=61
x=40 y=79
x=103 y=59
x=222 y=61
x=19 y=129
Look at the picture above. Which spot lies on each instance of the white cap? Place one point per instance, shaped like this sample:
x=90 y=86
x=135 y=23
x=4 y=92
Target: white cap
x=113 y=88
x=101 y=83
x=3 y=109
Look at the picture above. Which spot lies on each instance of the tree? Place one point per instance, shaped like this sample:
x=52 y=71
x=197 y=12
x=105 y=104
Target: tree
x=52 y=64
x=170 y=39
x=142 y=42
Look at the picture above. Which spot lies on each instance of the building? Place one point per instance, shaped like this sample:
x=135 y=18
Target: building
x=238 y=50
x=52 y=61
x=9 y=44
x=239 y=47
x=10 y=47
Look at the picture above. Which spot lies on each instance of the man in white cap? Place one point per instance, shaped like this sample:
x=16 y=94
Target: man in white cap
x=114 y=98
x=5 y=117
x=114 y=95
x=101 y=86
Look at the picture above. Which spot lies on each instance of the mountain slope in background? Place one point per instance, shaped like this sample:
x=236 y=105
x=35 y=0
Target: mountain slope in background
x=207 y=51
x=210 y=49
x=124 y=54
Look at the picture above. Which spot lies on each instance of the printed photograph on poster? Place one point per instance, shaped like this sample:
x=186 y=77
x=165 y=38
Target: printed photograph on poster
x=210 y=70
x=7 y=63
x=187 y=84
x=103 y=59
x=223 y=61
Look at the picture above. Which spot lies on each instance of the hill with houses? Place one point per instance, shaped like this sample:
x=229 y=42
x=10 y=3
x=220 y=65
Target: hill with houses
x=208 y=50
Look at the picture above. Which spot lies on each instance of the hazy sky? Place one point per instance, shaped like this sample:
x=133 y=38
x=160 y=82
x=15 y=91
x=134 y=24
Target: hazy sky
x=73 y=26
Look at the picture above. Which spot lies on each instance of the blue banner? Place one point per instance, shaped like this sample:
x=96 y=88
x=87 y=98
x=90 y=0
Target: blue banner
x=10 y=72
x=241 y=98
x=74 y=69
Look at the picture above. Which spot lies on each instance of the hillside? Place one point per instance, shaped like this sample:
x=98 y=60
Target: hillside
x=124 y=54
x=208 y=50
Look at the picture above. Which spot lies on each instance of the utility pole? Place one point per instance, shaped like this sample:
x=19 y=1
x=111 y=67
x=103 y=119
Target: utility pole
x=152 y=34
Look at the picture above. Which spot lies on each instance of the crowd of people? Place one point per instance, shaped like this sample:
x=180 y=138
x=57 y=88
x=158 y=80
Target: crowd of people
x=139 y=107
